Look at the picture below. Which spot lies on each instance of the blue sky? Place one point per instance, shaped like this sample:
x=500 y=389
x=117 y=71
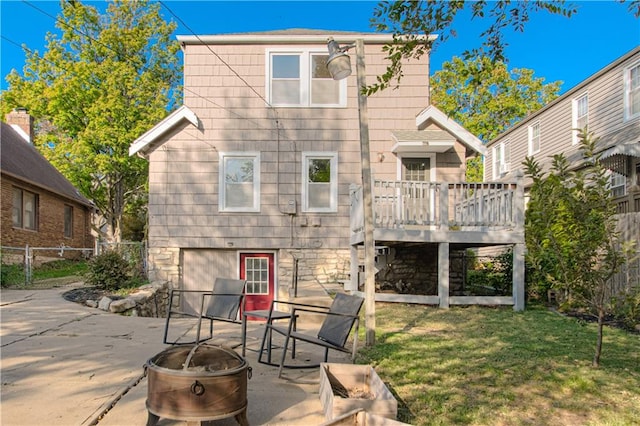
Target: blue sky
x=555 y=47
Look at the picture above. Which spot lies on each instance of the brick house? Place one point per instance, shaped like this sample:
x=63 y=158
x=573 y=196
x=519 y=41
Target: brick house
x=40 y=207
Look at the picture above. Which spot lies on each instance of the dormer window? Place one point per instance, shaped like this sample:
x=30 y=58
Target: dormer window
x=299 y=78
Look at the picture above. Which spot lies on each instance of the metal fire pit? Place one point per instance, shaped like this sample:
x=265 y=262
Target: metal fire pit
x=197 y=383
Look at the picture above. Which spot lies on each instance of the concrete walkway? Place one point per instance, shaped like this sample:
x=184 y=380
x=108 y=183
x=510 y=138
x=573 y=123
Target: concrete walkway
x=66 y=364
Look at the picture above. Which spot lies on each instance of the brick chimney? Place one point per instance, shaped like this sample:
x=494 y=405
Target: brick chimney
x=20 y=118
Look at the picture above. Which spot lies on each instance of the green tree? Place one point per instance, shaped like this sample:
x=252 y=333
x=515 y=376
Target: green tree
x=486 y=98
x=570 y=232
x=106 y=80
x=409 y=20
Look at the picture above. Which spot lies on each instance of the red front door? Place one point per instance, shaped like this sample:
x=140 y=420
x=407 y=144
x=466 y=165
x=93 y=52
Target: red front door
x=257 y=270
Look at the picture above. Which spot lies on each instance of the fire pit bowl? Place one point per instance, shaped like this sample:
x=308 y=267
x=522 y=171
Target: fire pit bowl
x=197 y=383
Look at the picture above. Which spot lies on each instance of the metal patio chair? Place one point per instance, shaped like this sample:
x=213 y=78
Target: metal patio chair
x=223 y=303
x=338 y=321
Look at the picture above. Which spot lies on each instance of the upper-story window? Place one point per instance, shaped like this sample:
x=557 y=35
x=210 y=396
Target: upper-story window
x=580 y=115
x=239 y=182
x=68 y=221
x=501 y=159
x=632 y=92
x=534 y=138
x=320 y=181
x=301 y=79
x=25 y=209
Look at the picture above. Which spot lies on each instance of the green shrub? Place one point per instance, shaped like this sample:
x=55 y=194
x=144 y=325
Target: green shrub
x=626 y=307
x=109 y=271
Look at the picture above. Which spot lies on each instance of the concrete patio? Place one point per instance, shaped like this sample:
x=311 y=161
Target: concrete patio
x=66 y=364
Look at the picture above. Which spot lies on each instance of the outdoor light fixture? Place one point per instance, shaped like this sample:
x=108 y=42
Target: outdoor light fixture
x=339 y=63
x=339 y=66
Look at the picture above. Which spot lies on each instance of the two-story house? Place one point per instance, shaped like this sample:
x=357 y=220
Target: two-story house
x=608 y=105
x=256 y=176
x=40 y=207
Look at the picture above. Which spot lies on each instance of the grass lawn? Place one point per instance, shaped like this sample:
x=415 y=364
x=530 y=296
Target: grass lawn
x=48 y=275
x=494 y=366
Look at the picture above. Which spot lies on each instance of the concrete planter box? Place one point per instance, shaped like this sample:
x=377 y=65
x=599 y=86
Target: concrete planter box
x=362 y=418
x=346 y=387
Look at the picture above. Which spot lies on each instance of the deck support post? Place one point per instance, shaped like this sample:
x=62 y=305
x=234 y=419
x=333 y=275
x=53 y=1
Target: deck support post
x=443 y=274
x=518 y=277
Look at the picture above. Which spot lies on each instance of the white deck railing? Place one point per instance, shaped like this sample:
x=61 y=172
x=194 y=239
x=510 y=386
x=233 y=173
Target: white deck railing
x=457 y=206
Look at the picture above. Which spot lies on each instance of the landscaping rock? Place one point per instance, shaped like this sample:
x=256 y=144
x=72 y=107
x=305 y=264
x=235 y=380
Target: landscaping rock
x=91 y=303
x=104 y=303
x=122 y=305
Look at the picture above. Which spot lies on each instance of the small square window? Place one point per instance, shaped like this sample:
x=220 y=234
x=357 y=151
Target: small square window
x=239 y=182
x=320 y=182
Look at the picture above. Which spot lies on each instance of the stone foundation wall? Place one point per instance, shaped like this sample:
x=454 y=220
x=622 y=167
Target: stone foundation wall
x=320 y=266
x=164 y=265
x=414 y=270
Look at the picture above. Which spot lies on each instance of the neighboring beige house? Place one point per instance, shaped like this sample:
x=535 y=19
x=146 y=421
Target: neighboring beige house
x=256 y=176
x=608 y=103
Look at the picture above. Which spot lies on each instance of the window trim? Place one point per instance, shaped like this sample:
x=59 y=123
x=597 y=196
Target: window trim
x=68 y=233
x=496 y=166
x=305 y=78
x=531 y=140
x=255 y=157
x=575 y=130
x=312 y=155
x=627 y=92
x=36 y=205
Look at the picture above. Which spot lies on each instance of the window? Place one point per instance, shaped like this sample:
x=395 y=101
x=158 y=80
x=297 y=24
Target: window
x=320 y=182
x=580 y=115
x=501 y=159
x=632 y=92
x=534 y=138
x=68 y=221
x=239 y=182
x=25 y=209
x=618 y=184
x=301 y=78
x=257 y=275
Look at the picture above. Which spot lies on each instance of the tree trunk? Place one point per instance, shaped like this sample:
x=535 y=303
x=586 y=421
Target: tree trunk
x=596 y=356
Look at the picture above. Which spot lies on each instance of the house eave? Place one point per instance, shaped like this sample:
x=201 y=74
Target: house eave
x=431 y=113
x=144 y=143
x=289 y=39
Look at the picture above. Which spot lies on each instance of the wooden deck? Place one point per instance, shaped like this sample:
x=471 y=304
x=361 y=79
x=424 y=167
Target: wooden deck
x=461 y=215
x=477 y=214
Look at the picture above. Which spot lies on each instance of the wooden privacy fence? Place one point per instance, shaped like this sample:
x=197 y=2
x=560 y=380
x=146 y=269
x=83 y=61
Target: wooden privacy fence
x=628 y=226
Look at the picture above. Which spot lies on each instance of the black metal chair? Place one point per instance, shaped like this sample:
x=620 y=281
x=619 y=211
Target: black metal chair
x=339 y=319
x=223 y=303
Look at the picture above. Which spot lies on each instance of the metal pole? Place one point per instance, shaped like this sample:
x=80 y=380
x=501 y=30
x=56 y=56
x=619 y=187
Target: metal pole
x=369 y=243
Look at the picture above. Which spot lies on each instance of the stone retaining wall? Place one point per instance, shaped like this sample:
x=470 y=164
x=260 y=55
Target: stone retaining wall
x=148 y=301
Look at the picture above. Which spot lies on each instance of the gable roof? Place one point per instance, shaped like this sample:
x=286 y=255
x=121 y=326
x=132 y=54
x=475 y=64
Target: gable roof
x=149 y=140
x=19 y=159
x=432 y=114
